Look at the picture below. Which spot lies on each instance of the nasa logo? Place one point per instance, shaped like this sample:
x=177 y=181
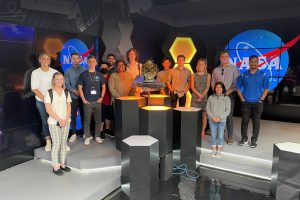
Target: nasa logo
x=272 y=53
x=71 y=46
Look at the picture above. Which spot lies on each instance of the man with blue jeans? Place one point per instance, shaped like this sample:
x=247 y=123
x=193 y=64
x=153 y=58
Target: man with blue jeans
x=91 y=88
x=252 y=90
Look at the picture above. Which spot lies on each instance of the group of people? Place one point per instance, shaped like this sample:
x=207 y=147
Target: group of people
x=92 y=92
x=217 y=109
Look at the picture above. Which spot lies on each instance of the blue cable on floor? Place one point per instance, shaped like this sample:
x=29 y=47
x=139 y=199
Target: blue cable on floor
x=182 y=169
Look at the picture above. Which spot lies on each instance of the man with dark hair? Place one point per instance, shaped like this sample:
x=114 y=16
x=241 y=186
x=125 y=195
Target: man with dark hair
x=179 y=82
x=91 y=87
x=110 y=64
x=227 y=74
x=163 y=75
x=71 y=79
x=252 y=89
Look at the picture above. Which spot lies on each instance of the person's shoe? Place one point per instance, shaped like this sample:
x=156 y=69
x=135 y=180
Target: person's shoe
x=99 y=140
x=48 y=145
x=87 y=141
x=109 y=133
x=73 y=138
x=230 y=141
x=68 y=148
x=243 y=141
x=66 y=169
x=213 y=153
x=58 y=172
x=253 y=144
x=102 y=135
x=207 y=132
x=218 y=154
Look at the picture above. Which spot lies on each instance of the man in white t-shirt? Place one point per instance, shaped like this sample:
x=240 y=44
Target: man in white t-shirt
x=40 y=84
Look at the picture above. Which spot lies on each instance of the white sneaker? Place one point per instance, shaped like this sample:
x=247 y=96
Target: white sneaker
x=99 y=140
x=73 y=138
x=87 y=141
x=218 y=154
x=84 y=137
x=68 y=148
x=48 y=145
x=213 y=154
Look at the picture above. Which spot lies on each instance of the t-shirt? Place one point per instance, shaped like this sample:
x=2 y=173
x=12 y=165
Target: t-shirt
x=252 y=86
x=91 y=83
x=107 y=96
x=58 y=105
x=41 y=80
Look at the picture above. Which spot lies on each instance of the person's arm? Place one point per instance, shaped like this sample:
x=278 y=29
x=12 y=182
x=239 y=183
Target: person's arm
x=80 y=91
x=111 y=86
x=188 y=84
x=213 y=79
x=102 y=93
x=207 y=85
x=236 y=74
x=34 y=86
x=193 y=86
x=208 y=111
x=68 y=83
x=68 y=114
x=266 y=83
x=239 y=86
x=227 y=109
x=168 y=83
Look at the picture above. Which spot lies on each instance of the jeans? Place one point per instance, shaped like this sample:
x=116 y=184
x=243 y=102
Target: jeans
x=76 y=103
x=95 y=108
x=217 y=129
x=174 y=98
x=253 y=110
x=44 y=116
x=229 y=121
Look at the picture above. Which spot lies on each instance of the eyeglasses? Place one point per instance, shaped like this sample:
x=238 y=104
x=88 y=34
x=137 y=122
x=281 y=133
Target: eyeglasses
x=222 y=72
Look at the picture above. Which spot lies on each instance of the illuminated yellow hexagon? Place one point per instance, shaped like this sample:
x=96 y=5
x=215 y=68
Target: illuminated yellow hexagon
x=52 y=46
x=183 y=46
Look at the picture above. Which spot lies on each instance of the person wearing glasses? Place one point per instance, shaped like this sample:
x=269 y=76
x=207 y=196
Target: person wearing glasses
x=227 y=74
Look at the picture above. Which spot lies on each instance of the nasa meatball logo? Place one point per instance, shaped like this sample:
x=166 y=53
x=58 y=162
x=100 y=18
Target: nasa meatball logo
x=270 y=49
x=71 y=46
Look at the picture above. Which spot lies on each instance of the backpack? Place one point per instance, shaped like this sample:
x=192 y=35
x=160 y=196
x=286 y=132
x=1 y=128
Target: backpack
x=51 y=94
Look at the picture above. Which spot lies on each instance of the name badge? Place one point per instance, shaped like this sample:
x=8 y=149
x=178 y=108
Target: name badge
x=93 y=92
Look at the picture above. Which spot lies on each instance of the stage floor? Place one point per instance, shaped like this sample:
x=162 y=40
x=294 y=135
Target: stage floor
x=255 y=162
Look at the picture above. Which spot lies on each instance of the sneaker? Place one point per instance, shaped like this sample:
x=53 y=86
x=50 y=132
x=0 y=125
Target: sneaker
x=58 y=172
x=243 y=141
x=213 y=153
x=109 y=133
x=66 y=169
x=253 y=144
x=68 y=148
x=48 y=145
x=99 y=140
x=83 y=136
x=218 y=154
x=73 y=138
x=230 y=141
x=87 y=141
x=102 y=135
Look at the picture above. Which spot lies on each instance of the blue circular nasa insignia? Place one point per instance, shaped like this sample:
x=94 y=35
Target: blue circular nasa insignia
x=71 y=46
x=264 y=44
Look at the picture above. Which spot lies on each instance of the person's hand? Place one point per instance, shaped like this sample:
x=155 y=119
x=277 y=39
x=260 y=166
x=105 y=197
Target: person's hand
x=199 y=99
x=100 y=100
x=200 y=96
x=218 y=119
x=104 y=66
x=75 y=92
x=85 y=101
x=62 y=123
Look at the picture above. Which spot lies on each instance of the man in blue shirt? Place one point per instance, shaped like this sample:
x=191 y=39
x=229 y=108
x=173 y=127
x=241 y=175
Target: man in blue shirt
x=71 y=79
x=91 y=88
x=252 y=89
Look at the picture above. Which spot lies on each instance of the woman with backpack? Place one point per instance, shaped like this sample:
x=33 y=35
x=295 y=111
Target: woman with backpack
x=58 y=106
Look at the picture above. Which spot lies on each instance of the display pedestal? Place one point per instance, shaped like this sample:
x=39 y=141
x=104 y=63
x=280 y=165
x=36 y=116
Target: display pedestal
x=156 y=121
x=285 y=179
x=187 y=126
x=140 y=160
x=127 y=117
